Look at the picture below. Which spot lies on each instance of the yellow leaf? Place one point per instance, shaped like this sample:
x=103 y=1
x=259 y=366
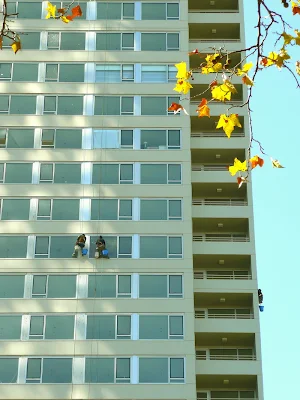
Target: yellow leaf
x=247 y=81
x=223 y=92
x=211 y=68
x=287 y=38
x=282 y=56
x=246 y=68
x=297 y=38
x=276 y=163
x=182 y=86
x=182 y=71
x=270 y=60
x=237 y=166
x=51 y=10
x=298 y=67
x=203 y=110
x=64 y=19
x=228 y=123
x=16 y=46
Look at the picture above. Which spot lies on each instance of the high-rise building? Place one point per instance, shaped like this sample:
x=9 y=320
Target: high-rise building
x=88 y=146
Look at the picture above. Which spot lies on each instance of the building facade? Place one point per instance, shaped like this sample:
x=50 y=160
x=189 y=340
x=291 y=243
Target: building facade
x=88 y=146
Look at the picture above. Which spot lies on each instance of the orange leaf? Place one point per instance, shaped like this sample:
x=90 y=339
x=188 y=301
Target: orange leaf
x=264 y=61
x=196 y=51
x=241 y=180
x=255 y=161
x=176 y=108
x=203 y=110
x=213 y=84
x=76 y=11
x=61 y=10
x=296 y=10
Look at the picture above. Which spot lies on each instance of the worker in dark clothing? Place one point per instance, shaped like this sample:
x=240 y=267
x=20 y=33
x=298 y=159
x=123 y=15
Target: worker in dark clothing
x=101 y=250
x=260 y=296
x=79 y=245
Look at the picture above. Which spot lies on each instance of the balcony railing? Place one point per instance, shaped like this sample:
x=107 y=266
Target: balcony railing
x=204 y=314
x=221 y=202
x=214 y=41
x=227 y=275
x=216 y=134
x=213 y=11
x=210 y=167
x=199 y=397
x=234 y=357
x=220 y=238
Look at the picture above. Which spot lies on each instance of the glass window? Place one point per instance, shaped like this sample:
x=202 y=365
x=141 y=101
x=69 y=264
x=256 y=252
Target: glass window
x=127 y=72
x=153 y=247
x=71 y=73
x=20 y=138
x=29 y=10
x=44 y=209
x=127 y=105
x=153 y=327
x=106 y=139
x=10 y=327
x=59 y=327
x=110 y=73
x=124 y=285
x=62 y=246
x=125 y=209
x=172 y=10
x=57 y=370
x=13 y=246
x=72 y=41
x=15 y=209
x=175 y=327
x=42 y=247
x=50 y=104
x=3 y=137
x=174 y=139
x=107 y=105
x=51 y=72
x=175 y=286
x=153 y=105
x=22 y=104
x=123 y=327
x=105 y=174
x=127 y=41
x=46 y=173
x=53 y=41
x=9 y=370
x=67 y=173
x=108 y=41
x=4 y=104
x=48 y=141
x=101 y=286
x=109 y=10
x=126 y=173
x=153 y=286
x=101 y=327
x=153 y=139
x=172 y=41
x=1 y=172
x=127 y=139
x=25 y=71
x=175 y=247
x=105 y=209
x=154 y=11
x=39 y=288
x=175 y=209
x=61 y=286
x=153 y=370
x=65 y=209
x=128 y=10
x=153 y=41
x=82 y=6
x=5 y=71
x=34 y=366
x=177 y=370
x=174 y=173
x=154 y=210
x=125 y=247
x=68 y=138
x=154 y=73
x=99 y=370
x=153 y=174
x=122 y=370
x=31 y=41
x=70 y=105
x=36 y=327
x=12 y=286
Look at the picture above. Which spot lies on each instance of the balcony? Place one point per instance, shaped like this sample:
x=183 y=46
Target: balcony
x=227 y=395
x=222 y=244
x=217 y=6
x=222 y=275
x=213 y=32
x=233 y=281
x=231 y=367
x=216 y=17
x=217 y=108
x=211 y=173
x=242 y=354
x=220 y=208
x=196 y=60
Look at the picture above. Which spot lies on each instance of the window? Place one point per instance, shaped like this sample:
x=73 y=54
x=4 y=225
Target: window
x=111 y=209
x=115 y=41
x=160 y=247
x=114 y=105
x=160 y=327
x=5 y=71
x=10 y=327
x=109 y=286
x=60 y=173
x=157 y=105
x=159 y=41
x=107 y=370
x=15 y=209
x=25 y=72
x=161 y=370
x=160 y=286
x=64 y=73
x=17 y=104
x=9 y=370
x=112 y=174
x=160 y=11
x=12 y=286
x=62 y=4
x=65 y=41
x=18 y=173
x=58 y=209
x=31 y=10
x=30 y=41
x=115 y=10
x=20 y=138
x=49 y=370
x=54 y=246
x=117 y=246
x=63 y=105
x=113 y=139
x=152 y=210
x=54 y=286
x=13 y=246
x=160 y=139
x=62 y=138
x=114 y=73
x=104 y=327
x=52 y=327
x=160 y=174
x=151 y=73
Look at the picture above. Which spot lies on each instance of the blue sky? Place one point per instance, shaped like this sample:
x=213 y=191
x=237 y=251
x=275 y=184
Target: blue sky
x=276 y=216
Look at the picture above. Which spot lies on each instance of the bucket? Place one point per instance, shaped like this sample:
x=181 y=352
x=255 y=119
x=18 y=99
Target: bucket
x=261 y=308
x=105 y=252
x=84 y=252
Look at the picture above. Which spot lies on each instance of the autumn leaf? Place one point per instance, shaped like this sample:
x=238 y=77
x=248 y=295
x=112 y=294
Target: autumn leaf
x=228 y=123
x=283 y=55
x=182 y=86
x=65 y=19
x=255 y=161
x=276 y=163
x=76 y=12
x=237 y=166
x=223 y=92
x=287 y=38
x=176 y=108
x=16 y=46
x=297 y=37
x=181 y=71
x=246 y=68
x=51 y=10
x=203 y=110
x=274 y=58
x=241 y=180
x=61 y=10
x=295 y=8
x=213 y=83
x=247 y=81
x=298 y=67
x=212 y=64
x=196 y=51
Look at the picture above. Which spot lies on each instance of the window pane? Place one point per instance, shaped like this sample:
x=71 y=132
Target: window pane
x=153 y=105
x=39 y=285
x=128 y=72
x=102 y=286
x=124 y=285
x=20 y=138
x=71 y=73
x=123 y=369
x=46 y=172
x=15 y=209
x=30 y=10
x=61 y=286
x=126 y=138
x=48 y=141
x=124 y=325
x=110 y=73
x=12 y=286
x=177 y=368
x=57 y=370
x=10 y=327
x=172 y=41
x=9 y=370
x=62 y=246
x=106 y=139
x=174 y=138
x=153 y=247
x=5 y=71
x=31 y=41
x=109 y=10
x=53 y=40
x=154 y=73
x=125 y=209
x=36 y=325
x=50 y=104
x=153 y=210
x=153 y=370
x=22 y=104
x=25 y=72
x=99 y=370
x=42 y=246
x=174 y=173
x=51 y=72
x=3 y=137
x=176 y=325
x=128 y=41
x=72 y=41
x=128 y=10
x=111 y=245
x=34 y=368
x=153 y=286
x=126 y=173
x=125 y=246
x=68 y=139
x=104 y=209
x=65 y=209
x=173 y=10
x=153 y=41
x=153 y=139
x=60 y=327
x=153 y=11
x=100 y=327
x=107 y=105
x=4 y=103
x=175 y=246
x=175 y=285
x=108 y=41
x=153 y=327
x=105 y=174
x=175 y=209
x=127 y=105
x=67 y=173
x=13 y=246
x=70 y=105
x=153 y=173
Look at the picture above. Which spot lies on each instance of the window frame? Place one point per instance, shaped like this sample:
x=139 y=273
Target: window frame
x=41 y=218
x=119 y=255
x=16 y=3
x=119 y=138
x=116 y=316
x=50 y=146
x=42 y=337
x=166 y=6
x=121 y=182
x=11 y=72
x=169 y=181
x=169 y=295
x=168 y=146
x=168 y=208
x=3 y=180
x=170 y=337
x=122 y=48
x=116 y=380
x=117 y=283
x=121 y=72
x=45 y=296
x=122 y=113
x=51 y=181
x=167 y=72
x=170 y=380
x=40 y=379
x=13 y=198
x=122 y=12
x=56 y=104
x=118 y=211
x=166 y=40
x=59 y=41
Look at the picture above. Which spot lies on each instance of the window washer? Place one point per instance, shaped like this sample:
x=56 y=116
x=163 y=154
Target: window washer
x=101 y=250
x=79 y=245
